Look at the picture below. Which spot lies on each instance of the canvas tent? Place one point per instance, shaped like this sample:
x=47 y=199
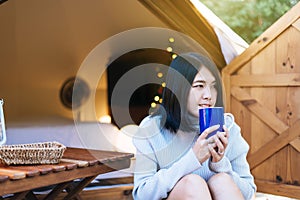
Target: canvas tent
x=196 y=20
x=42 y=39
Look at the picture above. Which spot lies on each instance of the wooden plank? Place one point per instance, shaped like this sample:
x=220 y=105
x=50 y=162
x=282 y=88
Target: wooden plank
x=264 y=39
x=57 y=190
x=293 y=111
x=288 y=48
x=297 y=25
x=113 y=161
x=113 y=181
x=274 y=145
x=266 y=80
x=262 y=113
x=259 y=110
x=288 y=100
x=20 y=195
x=263 y=63
x=12 y=174
x=79 y=163
x=74 y=191
x=9 y=187
x=30 y=171
x=295 y=166
x=34 y=170
x=3 y=178
x=30 y=195
x=243 y=115
x=42 y=169
x=68 y=165
x=292 y=191
x=112 y=193
x=91 y=155
x=227 y=85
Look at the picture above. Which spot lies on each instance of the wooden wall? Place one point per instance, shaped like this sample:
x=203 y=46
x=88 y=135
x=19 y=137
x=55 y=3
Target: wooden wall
x=264 y=88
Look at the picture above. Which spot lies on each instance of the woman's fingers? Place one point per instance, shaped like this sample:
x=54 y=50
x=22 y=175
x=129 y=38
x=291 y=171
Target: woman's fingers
x=215 y=154
x=226 y=131
x=207 y=131
x=218 y=143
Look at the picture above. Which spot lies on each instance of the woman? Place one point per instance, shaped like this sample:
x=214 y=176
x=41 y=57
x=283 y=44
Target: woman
x=173 y=160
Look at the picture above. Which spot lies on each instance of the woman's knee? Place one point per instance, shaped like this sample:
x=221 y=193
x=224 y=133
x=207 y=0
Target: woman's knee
x=222 y=185
x=193 y=180
x=190 y=187
x=219 y=178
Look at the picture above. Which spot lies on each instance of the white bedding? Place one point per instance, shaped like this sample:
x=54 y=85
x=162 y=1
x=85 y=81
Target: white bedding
x=90 y=135
x=93 y=135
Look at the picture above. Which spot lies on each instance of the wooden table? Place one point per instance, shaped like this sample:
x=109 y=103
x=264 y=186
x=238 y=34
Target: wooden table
x=77 y=164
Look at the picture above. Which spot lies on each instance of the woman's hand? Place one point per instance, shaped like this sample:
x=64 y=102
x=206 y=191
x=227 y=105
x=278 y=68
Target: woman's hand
x=220 y=143
x=202 y=146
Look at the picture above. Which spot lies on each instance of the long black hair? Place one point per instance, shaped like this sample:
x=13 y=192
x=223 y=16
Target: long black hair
x=180 y=77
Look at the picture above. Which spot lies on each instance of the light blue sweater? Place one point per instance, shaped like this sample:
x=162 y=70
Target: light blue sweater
x=163 y=158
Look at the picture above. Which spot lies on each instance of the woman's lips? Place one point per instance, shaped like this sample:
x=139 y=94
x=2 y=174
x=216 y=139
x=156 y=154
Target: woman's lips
x=204 y=105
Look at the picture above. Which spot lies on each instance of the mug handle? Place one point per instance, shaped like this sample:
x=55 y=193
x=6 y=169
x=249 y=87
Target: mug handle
x=232 y=117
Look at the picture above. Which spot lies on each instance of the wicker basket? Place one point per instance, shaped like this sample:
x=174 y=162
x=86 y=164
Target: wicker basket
x=33 y=153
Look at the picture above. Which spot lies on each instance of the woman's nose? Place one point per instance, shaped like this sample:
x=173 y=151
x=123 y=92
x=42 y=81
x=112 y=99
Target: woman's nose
x=207 y=93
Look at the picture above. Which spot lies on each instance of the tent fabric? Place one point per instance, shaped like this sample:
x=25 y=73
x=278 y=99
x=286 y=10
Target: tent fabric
x=231 y=43
x=182 y=16
x=196 y=20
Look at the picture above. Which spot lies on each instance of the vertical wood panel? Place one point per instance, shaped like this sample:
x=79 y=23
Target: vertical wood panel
x=241 y=113
x=275 y=52
x=288 y=98
x=264 y=63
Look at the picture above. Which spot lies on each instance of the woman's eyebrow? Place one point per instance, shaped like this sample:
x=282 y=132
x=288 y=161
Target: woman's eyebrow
x=199 y=81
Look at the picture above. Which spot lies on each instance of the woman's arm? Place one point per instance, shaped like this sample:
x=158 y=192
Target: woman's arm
x=235 y=163
x=153 y=183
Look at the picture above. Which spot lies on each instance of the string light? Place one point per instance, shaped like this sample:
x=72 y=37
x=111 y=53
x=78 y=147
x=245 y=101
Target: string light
x=156 y=98
x=153 y=105
x=169 y=49
x=160 y=75
x=171 y=39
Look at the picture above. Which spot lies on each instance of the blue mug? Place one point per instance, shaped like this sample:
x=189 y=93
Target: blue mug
x=209 y=117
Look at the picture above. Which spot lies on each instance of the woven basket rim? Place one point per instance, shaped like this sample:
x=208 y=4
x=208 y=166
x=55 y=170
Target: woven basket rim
x=20 y=153
x=33 y=145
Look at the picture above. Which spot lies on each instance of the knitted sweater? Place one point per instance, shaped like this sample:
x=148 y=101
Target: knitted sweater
x=163 y=158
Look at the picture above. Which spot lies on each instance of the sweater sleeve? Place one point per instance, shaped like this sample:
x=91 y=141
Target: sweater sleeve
x=153 y=183
x=236 y=165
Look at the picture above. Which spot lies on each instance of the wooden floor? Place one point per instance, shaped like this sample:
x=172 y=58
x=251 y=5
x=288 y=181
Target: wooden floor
x=109 y=193
x=116 y=194
x=263 y=196
x=124 y=193
x=119 y=193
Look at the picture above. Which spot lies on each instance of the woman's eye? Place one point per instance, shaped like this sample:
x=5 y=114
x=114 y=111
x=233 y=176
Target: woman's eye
x=213 y=86
x=198 y=86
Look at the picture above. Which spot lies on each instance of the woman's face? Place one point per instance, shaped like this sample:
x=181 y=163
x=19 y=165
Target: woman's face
x=203 y=92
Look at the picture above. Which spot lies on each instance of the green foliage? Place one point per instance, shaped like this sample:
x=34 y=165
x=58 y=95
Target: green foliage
x=249 y=18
